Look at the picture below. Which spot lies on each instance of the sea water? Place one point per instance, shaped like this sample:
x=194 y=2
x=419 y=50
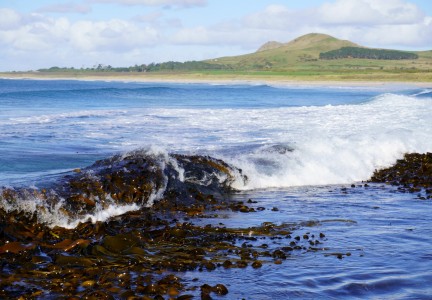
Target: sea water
x=299 y=146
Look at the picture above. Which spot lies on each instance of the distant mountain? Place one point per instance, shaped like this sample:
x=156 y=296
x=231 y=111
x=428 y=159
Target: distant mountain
x=314 y=41
x=282 y=55
x=322 y=52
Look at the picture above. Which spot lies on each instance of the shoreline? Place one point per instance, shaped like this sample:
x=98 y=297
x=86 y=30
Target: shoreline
x=283 y=81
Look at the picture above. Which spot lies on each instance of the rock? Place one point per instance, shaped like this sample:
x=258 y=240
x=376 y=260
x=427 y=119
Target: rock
x=413 y=173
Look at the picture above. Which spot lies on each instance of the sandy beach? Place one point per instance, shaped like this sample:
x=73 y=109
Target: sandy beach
x=189 y=78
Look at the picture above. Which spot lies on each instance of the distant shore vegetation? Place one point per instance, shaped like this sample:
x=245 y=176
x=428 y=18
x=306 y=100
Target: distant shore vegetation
x=259 y=64
x=153 y=67
x=367 y=53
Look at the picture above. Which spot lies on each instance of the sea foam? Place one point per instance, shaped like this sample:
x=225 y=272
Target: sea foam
x=274 y=143
x=340 y=144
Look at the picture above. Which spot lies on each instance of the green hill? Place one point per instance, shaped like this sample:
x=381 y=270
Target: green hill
x=275 y=55
x=301 y=56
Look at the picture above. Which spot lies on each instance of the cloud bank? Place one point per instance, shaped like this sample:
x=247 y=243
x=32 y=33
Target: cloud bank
x=175 y=3
x=50 y=36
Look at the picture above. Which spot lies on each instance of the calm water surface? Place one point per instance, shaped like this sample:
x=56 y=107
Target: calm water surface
x=388 y=235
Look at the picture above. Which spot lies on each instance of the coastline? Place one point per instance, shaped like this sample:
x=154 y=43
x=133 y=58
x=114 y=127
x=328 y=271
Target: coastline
x=225 y=79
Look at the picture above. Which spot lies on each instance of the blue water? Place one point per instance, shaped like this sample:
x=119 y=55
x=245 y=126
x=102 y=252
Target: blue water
x=55 y=125
x=298 y=145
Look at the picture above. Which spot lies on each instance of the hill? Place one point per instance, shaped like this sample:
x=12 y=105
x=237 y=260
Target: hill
x=275 y=55
x=308 y=52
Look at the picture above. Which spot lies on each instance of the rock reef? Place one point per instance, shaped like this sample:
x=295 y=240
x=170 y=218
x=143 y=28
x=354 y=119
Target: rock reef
x=411 y=174
x=140 y=254
x=137 y=178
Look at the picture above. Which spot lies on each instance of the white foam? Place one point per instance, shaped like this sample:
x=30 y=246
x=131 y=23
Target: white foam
x=50 y=118
x=162 y=157
x=100 y=215
x=425 y=91
x=56 y=214
x=341 y=144
x=331 y=144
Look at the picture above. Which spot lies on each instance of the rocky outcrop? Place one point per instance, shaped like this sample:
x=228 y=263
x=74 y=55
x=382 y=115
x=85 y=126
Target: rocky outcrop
x=135 y=178
x=412 y=174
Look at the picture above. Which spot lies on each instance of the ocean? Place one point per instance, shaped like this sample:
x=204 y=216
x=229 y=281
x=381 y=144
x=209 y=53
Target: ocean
x=306 y=150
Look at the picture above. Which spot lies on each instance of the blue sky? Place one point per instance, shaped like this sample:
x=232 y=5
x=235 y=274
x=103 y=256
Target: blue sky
x=83 y=33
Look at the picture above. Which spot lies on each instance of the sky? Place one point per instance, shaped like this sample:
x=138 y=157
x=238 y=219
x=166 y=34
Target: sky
x=85 y=33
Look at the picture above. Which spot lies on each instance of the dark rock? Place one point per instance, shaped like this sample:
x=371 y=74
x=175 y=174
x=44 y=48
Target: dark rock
x=413 y=173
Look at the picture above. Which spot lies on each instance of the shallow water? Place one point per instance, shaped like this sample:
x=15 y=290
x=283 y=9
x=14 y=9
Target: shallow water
x=387 y=233
x=299 y=146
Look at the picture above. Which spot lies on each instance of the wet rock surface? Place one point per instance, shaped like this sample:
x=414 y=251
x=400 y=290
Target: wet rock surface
x=141 y=254
x=141 y=179
x=134 y=179
x=411 y=174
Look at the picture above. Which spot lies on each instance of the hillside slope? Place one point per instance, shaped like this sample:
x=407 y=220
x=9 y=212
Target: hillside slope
x=269 y=46
x=275 y=54
x=303 y=55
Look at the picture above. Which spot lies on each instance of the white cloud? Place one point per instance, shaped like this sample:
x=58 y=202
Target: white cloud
x=66 y=8
x=274 y=17
x=9 y=19
x=31 y=33
x=41 y=40
x=37 y=41
x=221 y=36
x=406 y=35
x=197 y=35
x=37 y=32
x=176 y=3
x=149 y=17
x=339 y=12
x=111 y=36
x=369 y=12
x=378 y=23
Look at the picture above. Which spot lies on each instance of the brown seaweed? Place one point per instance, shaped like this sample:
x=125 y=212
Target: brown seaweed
x=141 y=254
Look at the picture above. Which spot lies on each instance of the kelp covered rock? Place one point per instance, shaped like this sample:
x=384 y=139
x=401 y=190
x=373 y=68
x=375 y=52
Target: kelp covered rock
x=412 y=174
x=128 y=182
x=140 y=254
x=141 y=178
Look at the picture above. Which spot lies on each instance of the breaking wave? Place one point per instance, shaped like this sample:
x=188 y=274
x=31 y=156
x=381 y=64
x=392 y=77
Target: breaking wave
x=51 y=118
x=273 y=143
